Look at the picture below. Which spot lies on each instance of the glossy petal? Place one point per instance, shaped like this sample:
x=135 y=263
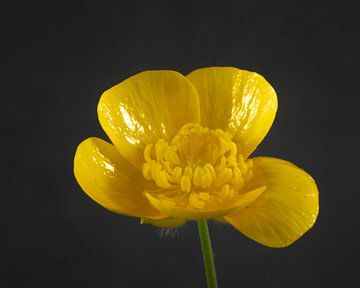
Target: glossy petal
x=145 y=107
x=238 y=101
x=169 y=222
x=212 y=211
x=287 y=208
x=110 y=180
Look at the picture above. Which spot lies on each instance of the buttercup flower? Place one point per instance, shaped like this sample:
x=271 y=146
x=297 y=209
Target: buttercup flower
x=181 y=147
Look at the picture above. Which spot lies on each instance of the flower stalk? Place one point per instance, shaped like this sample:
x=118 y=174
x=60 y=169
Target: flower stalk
x=208 y=256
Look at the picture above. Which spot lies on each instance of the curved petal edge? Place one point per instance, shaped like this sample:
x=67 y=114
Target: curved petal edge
x=240 y=102
x=106 y=177
x=146 y=107
x=285 y=211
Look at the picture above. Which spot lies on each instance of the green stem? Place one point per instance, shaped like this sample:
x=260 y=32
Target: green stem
x=208 y=255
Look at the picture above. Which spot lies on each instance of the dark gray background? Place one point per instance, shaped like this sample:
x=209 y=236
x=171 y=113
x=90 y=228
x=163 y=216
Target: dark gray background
x=59 y=58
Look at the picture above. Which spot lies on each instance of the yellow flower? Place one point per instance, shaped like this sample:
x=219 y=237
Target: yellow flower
x=180 y=151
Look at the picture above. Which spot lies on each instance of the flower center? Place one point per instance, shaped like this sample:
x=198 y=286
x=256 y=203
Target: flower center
x=198 y=166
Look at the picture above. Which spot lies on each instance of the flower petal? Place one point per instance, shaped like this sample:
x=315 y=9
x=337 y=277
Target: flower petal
x=285 y=211
x=145 y=107
x=110 y=180
x=169 y=222
x=238 y=101
x=170 y=208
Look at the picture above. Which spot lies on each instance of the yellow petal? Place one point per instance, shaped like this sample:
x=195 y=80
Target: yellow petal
x=110 y=180
x=146 y=107
x=169 y=222
x=287 y=208
x=213 y=210
x=238 y=101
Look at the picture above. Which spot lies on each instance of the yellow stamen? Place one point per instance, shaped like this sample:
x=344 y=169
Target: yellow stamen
x=195 y=202
x=185 y=183
x=199 y=163
x=188 y=171
x=146 y=171
x=147 y=152
x=162 y=180
x=225 y=191
x=204 y=196
x=236 y=176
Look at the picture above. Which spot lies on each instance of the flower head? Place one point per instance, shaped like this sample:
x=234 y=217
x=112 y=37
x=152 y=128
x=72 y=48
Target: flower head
x=180 y=151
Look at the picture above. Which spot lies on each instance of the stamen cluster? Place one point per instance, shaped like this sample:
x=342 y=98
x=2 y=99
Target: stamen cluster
x=199 y=163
